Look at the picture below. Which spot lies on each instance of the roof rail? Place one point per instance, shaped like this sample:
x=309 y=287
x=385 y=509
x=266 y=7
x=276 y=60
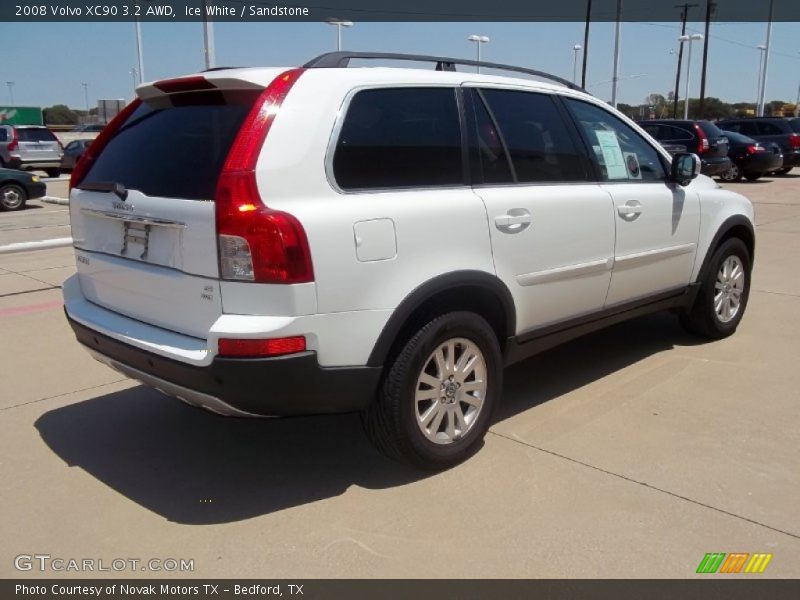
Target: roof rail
x=342 y=59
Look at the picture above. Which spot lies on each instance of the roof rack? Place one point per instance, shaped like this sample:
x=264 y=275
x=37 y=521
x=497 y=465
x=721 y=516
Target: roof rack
x=332 y=60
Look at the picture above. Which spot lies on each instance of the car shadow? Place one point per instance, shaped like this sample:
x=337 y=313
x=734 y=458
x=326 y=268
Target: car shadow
x=192 y=467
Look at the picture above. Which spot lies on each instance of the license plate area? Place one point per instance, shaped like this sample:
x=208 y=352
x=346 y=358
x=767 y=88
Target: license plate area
x=134 y=234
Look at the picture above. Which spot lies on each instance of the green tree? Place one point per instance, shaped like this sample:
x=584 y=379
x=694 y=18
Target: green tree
x=60 y=114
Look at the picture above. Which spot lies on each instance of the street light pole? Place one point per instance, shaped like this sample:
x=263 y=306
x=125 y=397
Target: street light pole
x=690 y=39
x=761 y=49
x=478 y=39
x=766 y=64
x=10 y=85
x=139 y=59
x=576 y=48
x=339 y=23
x=617 y=35
x=86 y=96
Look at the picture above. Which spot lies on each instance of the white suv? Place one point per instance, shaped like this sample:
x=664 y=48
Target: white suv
x=326 y=239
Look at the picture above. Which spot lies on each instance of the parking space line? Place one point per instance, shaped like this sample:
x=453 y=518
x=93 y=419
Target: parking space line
x=32 y=308
x=91 y=387
x=645 y=484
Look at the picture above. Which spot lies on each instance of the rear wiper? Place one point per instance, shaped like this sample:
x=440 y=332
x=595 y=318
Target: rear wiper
x=113 y=188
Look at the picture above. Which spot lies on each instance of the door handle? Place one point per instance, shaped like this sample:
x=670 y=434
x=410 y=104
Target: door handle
x=630 y=211
x=514 y=221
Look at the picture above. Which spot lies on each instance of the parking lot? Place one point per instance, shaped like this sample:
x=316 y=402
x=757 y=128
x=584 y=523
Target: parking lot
x=629 y=453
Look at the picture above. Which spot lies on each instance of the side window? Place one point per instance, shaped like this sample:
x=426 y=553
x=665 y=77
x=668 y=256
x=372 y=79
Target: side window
x=749 y=128
x=621 y=153
x=769 y=129
x=3 y=134
x=734 y=127
x=489 y=162
x=536 y=136
x=400 y=138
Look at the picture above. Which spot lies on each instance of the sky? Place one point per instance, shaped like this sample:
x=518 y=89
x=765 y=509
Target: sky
x=48 y=62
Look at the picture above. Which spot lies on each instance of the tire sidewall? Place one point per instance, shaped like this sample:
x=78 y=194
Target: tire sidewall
x=453 y=325
x=20 y=191
x=728 y=248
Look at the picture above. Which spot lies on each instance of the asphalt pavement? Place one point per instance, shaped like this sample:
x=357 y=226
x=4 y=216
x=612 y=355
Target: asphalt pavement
x=629 y=453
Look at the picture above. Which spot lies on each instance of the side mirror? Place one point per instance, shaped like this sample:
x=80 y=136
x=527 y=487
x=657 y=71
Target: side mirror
x=685 y=167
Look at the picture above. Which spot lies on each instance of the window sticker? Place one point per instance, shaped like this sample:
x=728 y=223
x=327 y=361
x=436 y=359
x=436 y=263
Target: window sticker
x=612 y=154
x=632 y=164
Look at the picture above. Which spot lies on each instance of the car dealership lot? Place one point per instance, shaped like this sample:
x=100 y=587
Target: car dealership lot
x=629 y=453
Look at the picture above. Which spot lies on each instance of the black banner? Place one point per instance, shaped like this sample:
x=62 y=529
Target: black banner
x=715 y=587
x=387 y=10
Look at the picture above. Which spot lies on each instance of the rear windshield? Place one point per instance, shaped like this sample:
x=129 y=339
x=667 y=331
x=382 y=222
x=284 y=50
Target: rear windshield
x=35 y=134
x=738 y=137
x=174 y=146
x=711 y=130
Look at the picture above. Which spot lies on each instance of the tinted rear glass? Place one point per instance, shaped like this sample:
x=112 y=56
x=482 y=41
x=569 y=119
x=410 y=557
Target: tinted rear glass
x=399 y=138
x=174 y=151
x=711 y=130
x=795 y=125
x=738 y=137
x=35 y=135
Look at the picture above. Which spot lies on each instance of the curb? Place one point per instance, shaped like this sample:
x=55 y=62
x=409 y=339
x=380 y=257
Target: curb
x=41 y=245
x=54 y=200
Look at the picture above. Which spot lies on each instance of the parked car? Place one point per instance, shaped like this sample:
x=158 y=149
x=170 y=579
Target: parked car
x=768 y=130
x=701 y=137
x=27 y=147
x=73 y=152
x=17 y=187
x=346 y=262
x=749 y=159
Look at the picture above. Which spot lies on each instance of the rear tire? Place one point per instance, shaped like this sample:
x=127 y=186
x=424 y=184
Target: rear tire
x=12 y=197
x=53 y=172
x=783 y=171
x=723 y=294
x=436 y=400
x=753 y=176
x=732 y=175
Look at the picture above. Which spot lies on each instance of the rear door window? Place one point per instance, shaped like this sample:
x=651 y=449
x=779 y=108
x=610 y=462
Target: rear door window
x=400 y=138
x=620 y=152
x=536 y=136
x=766 y=128
x=35 y=134
x=174 y=146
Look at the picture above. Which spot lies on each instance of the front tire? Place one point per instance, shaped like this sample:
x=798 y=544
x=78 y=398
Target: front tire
x=12 y=197
x=753 y=176
x=723 y=294
x=438 y=395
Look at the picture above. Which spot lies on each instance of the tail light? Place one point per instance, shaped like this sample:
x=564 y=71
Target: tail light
x=702 y=139
x=101 y=141
x=252 y=348
x=13 y=145
x=794 y=141
x=753 y=148
x=256 y=243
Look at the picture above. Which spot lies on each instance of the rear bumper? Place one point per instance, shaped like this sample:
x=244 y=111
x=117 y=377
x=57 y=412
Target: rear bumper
x=791 y=159
x=21 y=164
x=762 y=162
x=715 y=165
x=285 y=385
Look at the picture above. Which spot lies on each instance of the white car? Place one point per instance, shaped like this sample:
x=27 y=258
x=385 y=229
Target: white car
x=323 y=239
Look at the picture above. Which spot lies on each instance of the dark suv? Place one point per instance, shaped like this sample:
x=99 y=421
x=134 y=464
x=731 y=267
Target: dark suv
x=701 y=137
x=768 y=130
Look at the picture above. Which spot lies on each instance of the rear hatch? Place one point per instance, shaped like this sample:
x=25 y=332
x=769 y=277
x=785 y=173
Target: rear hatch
x=717 y=142
x=38 y=144
x=143 y=214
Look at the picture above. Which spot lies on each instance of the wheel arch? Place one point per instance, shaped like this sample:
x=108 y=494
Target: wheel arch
x=737 y=226
x=475 y=291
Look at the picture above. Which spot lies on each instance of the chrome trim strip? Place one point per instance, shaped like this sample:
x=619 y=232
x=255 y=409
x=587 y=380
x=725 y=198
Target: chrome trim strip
x=191 y=397
x=643 y=258
x=567 y=272
x=134 y=218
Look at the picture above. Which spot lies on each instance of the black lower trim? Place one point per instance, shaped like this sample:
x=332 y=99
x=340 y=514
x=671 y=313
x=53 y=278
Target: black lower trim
x=284 y=385
x=533 y=342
